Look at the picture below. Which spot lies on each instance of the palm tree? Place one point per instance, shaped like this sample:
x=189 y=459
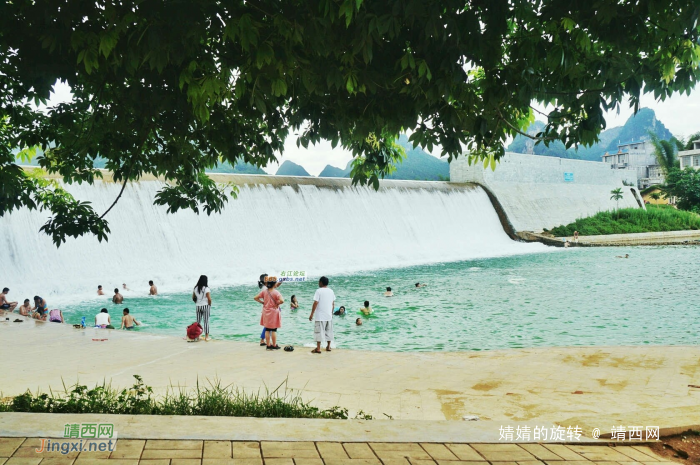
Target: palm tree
x=666 y=151
x=616 y=196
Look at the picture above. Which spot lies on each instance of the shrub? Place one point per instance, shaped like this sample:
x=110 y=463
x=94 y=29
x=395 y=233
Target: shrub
x=632 y=220
x=213 y=399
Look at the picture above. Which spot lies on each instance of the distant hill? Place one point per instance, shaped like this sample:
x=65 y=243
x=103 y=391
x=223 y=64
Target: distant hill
x=224 y=168
x=289 y=168
x=239 y=168
x=418 y=165
x=522 y=144
x=635 y=128
x=332 y=172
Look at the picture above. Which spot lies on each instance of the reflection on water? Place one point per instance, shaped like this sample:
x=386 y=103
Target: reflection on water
x=574 y=297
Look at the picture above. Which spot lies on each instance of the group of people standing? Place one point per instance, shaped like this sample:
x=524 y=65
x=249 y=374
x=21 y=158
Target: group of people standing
x=322 y=310
x=271 y=317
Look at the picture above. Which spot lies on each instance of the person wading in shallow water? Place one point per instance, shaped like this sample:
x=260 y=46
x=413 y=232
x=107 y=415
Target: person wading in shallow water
x=322 y=309
x=201 y=296
x=261 y=283
x=271 y=318
x=117 y=298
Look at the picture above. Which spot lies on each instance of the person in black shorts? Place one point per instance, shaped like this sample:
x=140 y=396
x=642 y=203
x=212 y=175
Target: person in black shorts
x=4 y=303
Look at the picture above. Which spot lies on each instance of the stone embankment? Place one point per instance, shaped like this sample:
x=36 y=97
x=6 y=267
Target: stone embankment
x=617 y=240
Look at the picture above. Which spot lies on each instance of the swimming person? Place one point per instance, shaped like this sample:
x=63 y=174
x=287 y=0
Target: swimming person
x=117 y=298
x=340 y=311
x=99 y=290
x=40 y=307
x=293 y=304
x=420 y=285
x=56 y=316
x=128 y=321
x=625 y=256
x=153 y=290
x=358 y=322
x=388 y=292
x=102 y=319
x=201 y=295
x=367 y=309
x=6 y=304
x=125 y=288
x=322 y=314
x=26 y=309
x=271 y=318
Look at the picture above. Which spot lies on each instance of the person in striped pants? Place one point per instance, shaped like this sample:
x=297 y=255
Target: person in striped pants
x=201 y=295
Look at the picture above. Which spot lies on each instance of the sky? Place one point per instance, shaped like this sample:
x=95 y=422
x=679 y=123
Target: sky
x=680 y=114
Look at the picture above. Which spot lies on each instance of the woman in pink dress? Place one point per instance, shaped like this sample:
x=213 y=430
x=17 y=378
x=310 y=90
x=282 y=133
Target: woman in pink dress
x=271 y=318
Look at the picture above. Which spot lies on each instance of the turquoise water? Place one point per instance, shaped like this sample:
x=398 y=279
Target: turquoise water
x=570 y=297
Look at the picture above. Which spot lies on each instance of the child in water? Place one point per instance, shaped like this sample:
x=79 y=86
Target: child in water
x=340 y=311
x=367 y=309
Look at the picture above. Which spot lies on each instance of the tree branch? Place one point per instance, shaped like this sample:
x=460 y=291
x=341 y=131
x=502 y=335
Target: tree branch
x=539 y=139
x=128 y=172
x=117 y=199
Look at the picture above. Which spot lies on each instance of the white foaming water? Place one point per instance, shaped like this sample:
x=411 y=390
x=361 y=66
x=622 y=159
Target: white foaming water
x=322 y=230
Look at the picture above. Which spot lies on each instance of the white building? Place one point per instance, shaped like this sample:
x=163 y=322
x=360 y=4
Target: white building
x=639 y=156
x=690 y=158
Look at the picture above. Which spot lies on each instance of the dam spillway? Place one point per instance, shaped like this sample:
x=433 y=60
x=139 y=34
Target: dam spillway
x=322 y=226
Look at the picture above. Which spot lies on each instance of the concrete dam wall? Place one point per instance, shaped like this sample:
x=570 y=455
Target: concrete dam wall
x=537 y=192
x=321 y=226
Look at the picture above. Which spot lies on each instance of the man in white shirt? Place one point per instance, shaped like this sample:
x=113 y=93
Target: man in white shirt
x=324 y=303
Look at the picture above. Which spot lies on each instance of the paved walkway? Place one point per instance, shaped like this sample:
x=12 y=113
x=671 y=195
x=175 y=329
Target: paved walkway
x=22 y=451
x=547 y=385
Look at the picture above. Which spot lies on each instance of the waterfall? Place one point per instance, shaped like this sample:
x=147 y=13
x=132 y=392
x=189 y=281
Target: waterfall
x=322 y=229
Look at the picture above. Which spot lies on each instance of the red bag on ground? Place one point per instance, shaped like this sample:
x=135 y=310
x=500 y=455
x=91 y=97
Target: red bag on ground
x=194 y=330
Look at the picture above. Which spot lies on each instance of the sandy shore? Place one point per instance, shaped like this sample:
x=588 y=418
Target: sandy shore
x=544 y=384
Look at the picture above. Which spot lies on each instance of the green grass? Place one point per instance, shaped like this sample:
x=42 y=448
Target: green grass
x=656 y=218
x=213 y=399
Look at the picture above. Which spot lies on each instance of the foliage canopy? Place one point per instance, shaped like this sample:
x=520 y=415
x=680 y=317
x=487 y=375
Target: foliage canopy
x=172 y=88
x=685 y=186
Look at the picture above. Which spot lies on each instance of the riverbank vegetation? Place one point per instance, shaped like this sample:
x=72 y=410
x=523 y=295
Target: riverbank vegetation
x=656 y=218
x=684 y=185
x=212 y=399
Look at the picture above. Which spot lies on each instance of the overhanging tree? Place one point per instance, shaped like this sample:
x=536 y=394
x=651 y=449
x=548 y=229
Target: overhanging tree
x=172 y=88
